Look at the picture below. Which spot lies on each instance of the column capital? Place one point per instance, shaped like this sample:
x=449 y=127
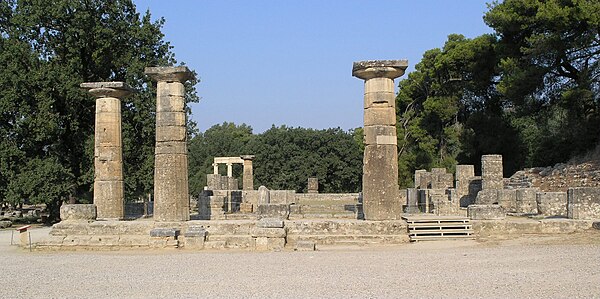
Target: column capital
x=370 y=69
x=169 y=73
x=107 y=89
x=247 y=157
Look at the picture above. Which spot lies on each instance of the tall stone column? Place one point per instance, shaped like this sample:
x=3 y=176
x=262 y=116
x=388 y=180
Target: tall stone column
x=248 y=175
x=108 y=152
x=381 y=199
x=215 y=168
x=171 y=196
x=491 y=172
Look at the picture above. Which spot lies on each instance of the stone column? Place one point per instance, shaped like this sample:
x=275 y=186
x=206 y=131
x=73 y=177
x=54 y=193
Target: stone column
x=215 y=168
x=248 y=175
x=491 y=172
x=381 y=199
x=464 y=175
x=171 y=196
x=313 y=185
x=229 y=170
x=108 y=153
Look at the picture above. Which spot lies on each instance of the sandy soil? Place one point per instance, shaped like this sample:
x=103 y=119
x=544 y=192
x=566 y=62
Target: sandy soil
x=532 y=267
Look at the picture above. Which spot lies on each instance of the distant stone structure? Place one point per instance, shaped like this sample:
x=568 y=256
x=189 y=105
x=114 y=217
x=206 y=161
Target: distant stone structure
x=248 y=173
x=381 y=199
x=171 y=196
x=108 y=148
x=313 y=185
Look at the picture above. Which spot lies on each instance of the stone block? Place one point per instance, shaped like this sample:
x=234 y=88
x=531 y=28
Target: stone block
x=270 y=223
x=193 y=243
x=107 y=133
x=485 y=212
x=164 y=232
x=264 y=196
x=507 y=198
x=552 y=203
x=215 y=244
x=492 y=172
x=195 y=232
x=525 y=201
x=487 y=197
x=176 y=119
x=282 y=196
x=380 y=135
x=264 y=244
x=170 y=147
x=246 y=208
x=78 y=212
x=379 y=116
x=378 y=84
x=213 y=182
x=268 y=232
x=379 y=99
x=133 y=241
x=170 y=133
x=583 y=203
x=281 y=211
x=305 y=246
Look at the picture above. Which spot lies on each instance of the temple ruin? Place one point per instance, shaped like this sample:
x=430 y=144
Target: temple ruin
x=441 y=205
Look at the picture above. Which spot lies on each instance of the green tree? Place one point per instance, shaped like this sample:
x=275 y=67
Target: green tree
x=434 y=102
x=49 y=48
x=550 y=74
x=287 y=157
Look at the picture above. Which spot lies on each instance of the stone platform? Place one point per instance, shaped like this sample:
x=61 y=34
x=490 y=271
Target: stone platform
x=264 y=234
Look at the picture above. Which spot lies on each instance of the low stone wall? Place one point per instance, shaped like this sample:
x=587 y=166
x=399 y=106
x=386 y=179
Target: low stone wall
x=480 y=212
x=348 y=232
x=518 y=227
x=302 y=198
x=552 y=203
x=583 y=203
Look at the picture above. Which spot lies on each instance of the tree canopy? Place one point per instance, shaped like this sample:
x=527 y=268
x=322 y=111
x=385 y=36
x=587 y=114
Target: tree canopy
x=284 y=157
x=529 y=91
x=47 y=49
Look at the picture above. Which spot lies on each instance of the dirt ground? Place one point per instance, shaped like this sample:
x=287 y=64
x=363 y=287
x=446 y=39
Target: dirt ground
x=528 y=267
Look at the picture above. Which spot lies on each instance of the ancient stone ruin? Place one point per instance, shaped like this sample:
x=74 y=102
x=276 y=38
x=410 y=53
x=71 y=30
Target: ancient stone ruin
x=441 y=205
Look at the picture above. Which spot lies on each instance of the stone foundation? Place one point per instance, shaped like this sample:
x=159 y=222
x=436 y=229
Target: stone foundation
x=486 y=212
x=264 y=234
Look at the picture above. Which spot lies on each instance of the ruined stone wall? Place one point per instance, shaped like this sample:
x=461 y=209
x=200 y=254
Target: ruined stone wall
x=583 y=203
x=552 y=203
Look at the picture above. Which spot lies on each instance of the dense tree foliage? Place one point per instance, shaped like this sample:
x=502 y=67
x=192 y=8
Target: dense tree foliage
x=47 y=48
x=285 y=157
x=530 y=91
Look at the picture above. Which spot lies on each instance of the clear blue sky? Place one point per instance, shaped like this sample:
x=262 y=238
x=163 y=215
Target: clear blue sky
x=266 y=62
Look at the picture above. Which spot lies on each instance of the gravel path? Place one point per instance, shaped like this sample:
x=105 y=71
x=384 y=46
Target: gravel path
x=513 y=269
